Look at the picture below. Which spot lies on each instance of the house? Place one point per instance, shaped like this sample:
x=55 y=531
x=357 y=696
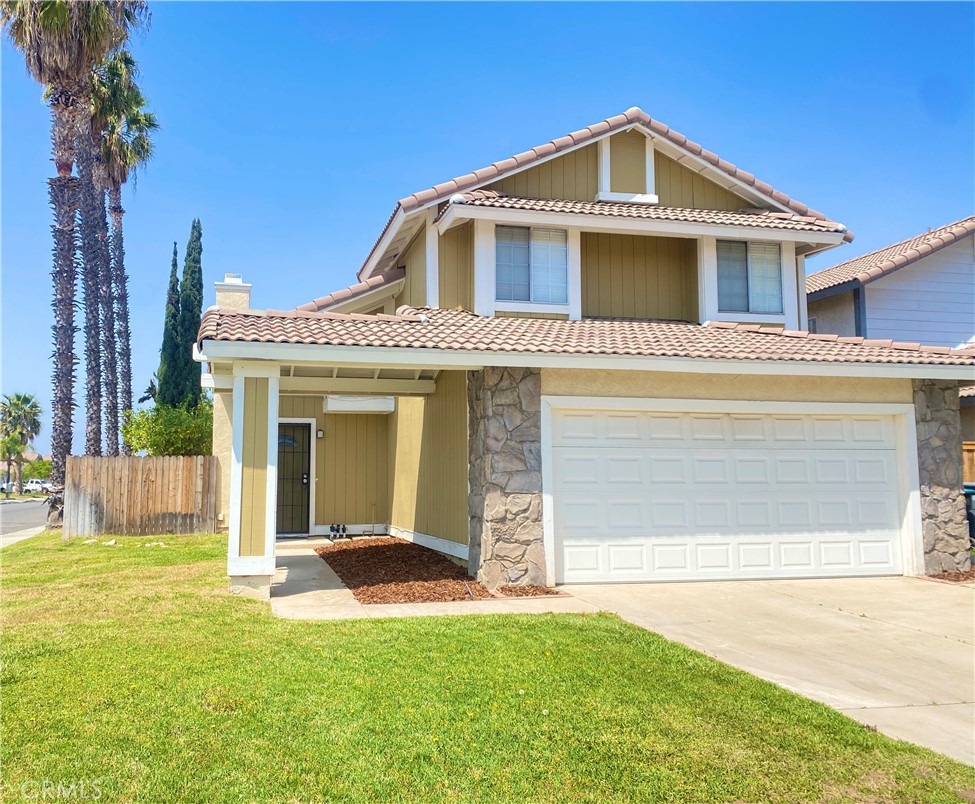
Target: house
x=921 y=289
x=588 y=362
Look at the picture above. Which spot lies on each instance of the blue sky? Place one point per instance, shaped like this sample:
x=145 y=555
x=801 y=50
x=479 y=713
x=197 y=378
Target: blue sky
x=291 y=129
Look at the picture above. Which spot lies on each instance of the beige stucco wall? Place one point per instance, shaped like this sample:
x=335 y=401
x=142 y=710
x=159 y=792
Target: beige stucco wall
x=428 y=461
x=834 y=314
x=672 y=385
x=223 y=451
x=631 y=276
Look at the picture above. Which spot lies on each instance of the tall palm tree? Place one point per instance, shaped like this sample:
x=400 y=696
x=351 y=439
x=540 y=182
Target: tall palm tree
x=20 y=419
x=61 y=41
x=125 y=129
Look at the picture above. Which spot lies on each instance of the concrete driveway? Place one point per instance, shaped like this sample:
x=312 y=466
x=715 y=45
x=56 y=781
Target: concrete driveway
x=894 y=653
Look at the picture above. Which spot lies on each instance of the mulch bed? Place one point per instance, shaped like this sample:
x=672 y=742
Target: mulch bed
x=955 y=577
x=390 y=570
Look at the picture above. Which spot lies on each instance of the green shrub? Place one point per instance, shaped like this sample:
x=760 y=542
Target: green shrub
x=167 y=430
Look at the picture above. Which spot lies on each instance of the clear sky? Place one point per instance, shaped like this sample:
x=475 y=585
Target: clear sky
x=292 y=129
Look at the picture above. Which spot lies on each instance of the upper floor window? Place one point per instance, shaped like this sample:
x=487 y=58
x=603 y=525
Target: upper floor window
x=532 y=265
x=749 y=277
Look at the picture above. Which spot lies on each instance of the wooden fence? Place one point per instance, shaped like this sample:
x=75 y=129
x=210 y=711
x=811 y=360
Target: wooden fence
x=139 y=496
x=968 y=457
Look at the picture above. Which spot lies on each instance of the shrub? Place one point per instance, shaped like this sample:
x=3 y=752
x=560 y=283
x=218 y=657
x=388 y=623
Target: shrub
x=167 y=430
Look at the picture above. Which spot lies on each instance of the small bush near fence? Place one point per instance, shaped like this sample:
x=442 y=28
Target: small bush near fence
x=139 y=496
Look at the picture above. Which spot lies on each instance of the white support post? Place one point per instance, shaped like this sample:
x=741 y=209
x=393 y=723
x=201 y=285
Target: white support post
x=271 y=499
x=485 y=292
x=574 y=268
x=433 y=260
x=604 y=166
x=801 y=281
x=651 y=188
x=236 y=473
x=707 y=278
x=790 y=290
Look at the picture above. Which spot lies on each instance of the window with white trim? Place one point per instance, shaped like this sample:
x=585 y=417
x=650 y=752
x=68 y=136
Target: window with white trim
x=749 y=277
x=532 y=265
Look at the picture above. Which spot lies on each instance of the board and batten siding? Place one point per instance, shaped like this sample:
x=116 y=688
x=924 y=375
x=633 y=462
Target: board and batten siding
x=572 y=177
x=457 y=268
x=414 y=260
x=931 y=301
x=428 y=461
x=631 y=276
x=679 y=186
x=253 y=486
x=628 y=162
x=351 y=479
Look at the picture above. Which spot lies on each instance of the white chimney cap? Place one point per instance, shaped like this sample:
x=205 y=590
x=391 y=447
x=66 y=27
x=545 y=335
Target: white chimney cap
x=232 y=279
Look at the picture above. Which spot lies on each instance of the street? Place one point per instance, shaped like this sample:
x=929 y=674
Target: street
x=17 y=517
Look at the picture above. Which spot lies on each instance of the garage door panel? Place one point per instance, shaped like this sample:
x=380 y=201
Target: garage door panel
x=644 y=496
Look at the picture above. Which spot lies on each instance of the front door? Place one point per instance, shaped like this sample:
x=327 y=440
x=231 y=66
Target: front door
x=294 y=466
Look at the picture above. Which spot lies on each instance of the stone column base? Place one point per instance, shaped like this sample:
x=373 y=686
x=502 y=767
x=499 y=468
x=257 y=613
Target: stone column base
x=254 y=586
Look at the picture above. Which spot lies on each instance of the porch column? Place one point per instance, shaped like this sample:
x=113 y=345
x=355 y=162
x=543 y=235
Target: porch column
x=253 y=480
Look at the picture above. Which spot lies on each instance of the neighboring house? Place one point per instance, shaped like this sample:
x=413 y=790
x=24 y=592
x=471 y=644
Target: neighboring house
x=587 y=363
x=919 y=290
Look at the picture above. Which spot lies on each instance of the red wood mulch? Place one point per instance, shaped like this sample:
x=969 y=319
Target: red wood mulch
x=955 y=577
x=389 y=570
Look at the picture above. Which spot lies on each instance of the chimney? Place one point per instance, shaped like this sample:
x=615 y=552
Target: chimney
x=233 y=293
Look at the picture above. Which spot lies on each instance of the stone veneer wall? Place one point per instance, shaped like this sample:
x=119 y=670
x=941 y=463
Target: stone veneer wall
x=943 y=522
x=505 y=476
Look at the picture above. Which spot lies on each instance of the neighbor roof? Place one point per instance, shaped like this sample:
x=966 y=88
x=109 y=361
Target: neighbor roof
x=458 y=330
x=891 y=258
x=353 y=291
x=631 y=117
x=759 y=218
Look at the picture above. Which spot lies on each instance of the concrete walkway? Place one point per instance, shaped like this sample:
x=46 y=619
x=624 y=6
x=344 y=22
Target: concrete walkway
x=8 y=539
x=894 y=653
x=306 y=588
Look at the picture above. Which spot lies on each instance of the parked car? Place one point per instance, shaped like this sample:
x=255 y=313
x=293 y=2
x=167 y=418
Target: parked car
x=36 y=486
x=8 y=484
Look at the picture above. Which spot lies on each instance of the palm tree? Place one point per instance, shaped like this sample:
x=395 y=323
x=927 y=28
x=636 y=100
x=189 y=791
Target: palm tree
x=61 y=41
x=20 y=419
x=125 y=129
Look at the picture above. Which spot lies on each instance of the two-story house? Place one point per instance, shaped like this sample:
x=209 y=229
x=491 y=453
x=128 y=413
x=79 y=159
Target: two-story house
x=588 y=362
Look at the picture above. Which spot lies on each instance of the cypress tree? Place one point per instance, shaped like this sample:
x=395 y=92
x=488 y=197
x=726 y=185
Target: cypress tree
x=190 y=312
x=171 y=372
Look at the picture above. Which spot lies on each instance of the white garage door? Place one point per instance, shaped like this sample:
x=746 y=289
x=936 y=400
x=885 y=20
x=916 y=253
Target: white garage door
x=692 y=496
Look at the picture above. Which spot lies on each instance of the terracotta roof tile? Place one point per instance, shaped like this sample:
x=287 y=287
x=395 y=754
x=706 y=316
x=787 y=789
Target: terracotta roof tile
x=759 y=218
x=890 y=258
x=338 y=296
x=422 y=328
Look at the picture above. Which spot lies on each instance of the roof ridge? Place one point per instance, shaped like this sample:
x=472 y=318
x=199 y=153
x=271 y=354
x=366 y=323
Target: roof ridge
x=357 y=289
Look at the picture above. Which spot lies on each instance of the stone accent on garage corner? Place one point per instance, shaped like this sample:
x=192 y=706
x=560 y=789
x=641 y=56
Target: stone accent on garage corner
x=505 y=474
x=943 y=522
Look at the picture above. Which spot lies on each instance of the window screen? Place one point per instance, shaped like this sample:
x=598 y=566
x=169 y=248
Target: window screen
x=532 y=265
x=732 y=276
x=512 y=273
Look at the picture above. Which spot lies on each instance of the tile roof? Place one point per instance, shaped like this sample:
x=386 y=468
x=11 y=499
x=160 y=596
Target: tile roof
x=372 y=283
x=760 y=218
x=967 y=393
x=891 y=258
x=632 y=116
x=424 y=328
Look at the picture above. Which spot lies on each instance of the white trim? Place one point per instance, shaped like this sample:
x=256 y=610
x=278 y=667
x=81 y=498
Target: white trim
x=530 y=307
x=485 y=258
x=446 y=546
x=367 y=299
x=651 y=169
x=271 y=491
x=379 y=252
x=338 y=403
x=574 y=271
x=911 y=542
x=605 y=168
x=707 y=277
x=433 y=259
x=475 y=359
x=236 y=475
x=801 y=292
x=628 y=198
x=790 y=290
x=708 y=281
x=252 y=565
x=592 y=223
x=312 y=463
x=336 y=385
x=255 y=368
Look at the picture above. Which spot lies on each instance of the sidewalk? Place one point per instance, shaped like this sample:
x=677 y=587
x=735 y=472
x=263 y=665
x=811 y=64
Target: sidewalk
x=8 y=539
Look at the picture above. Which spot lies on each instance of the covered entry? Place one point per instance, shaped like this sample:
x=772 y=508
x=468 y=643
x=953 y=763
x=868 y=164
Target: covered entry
x=294 y=477
x=725 y=492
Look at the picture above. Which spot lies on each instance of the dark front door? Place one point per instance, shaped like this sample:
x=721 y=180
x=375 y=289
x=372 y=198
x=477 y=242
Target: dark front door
x=294 y=468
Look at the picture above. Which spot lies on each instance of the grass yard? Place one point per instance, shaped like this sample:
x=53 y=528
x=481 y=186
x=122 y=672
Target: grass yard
x=132 y=667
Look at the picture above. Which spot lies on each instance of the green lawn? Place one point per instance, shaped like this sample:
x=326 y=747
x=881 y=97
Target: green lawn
x=132 y=667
